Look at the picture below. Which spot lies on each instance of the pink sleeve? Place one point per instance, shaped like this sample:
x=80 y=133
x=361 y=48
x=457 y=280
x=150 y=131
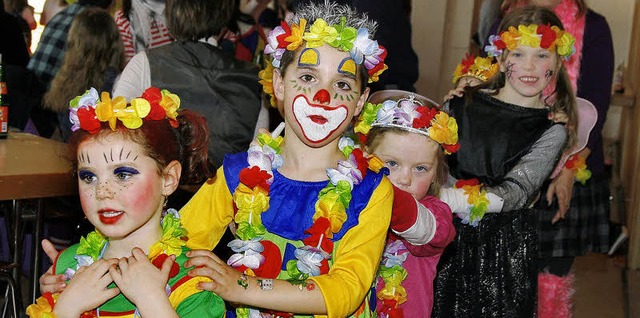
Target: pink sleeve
x=445 y=231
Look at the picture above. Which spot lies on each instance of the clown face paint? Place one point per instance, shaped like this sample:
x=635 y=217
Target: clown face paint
x=321 y=94
x=120 y=187
x=528 y=71
x=317 y=122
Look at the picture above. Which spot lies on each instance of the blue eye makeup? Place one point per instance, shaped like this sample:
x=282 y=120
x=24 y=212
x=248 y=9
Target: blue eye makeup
x=125 y=172
x=86 y=176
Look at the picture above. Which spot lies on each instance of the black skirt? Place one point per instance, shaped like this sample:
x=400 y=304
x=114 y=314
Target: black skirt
x=490 y=270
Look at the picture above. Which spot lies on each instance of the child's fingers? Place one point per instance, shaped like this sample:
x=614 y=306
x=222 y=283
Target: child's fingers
x=50 y=250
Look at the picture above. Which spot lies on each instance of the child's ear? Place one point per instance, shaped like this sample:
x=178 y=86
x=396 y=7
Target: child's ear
x=171 y=175
x=361 y=100
x=278 y=85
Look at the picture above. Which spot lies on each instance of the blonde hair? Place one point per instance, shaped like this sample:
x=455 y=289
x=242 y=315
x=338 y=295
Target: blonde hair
x=93 y=46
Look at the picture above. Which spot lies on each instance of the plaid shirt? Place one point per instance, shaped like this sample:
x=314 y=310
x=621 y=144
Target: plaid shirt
x=48 y=57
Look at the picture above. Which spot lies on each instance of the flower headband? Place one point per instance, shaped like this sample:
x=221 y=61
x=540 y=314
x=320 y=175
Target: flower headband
x=89 y=110
x=340 y=36
x=547 y=37
x=482 y=68
x=410 y=114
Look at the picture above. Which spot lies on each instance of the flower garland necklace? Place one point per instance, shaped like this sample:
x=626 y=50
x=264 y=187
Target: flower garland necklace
x=251 y=199
x=393 y=294
x=91 y=248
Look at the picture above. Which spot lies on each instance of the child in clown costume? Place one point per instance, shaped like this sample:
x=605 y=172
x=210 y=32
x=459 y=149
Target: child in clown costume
x=129 y=158
x=411 y=135
x=309 y=211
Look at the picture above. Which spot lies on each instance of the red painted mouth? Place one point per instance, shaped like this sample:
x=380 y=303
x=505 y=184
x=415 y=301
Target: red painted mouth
x=109 y=216
x=320 y=120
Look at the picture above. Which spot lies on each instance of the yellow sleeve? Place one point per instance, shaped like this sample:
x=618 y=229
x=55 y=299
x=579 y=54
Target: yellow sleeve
x=208 y=213
x=358 y=256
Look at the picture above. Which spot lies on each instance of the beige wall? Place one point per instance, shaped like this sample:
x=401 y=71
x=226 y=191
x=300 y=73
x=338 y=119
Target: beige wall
x=441 y=32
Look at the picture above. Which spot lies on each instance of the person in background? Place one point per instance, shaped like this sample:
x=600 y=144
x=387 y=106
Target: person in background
x=50 y=9
x=209 y=81
x=128 y=159
x=489 y=270
x=574 y=215
x=94 y=37
x=142 y=26
x=47 y=59
x=25 y=14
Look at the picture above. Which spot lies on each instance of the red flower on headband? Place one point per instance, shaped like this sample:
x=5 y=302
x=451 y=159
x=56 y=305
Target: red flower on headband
x=548 y=36
x=287 y=33
x=88 y=120
x=152 y=95
x=467 y=62
x=426 y=115
x=452 y=148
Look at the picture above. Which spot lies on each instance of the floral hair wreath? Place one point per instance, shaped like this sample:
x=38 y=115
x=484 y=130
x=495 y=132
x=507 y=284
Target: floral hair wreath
x=410 y=114
x=89 y=110
x=288 y=37
x=547 y=37
x=482 y=68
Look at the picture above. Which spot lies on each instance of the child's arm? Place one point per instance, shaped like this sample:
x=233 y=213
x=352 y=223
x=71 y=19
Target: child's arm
x=522 y=182
x=425 y=225
x=87 y=290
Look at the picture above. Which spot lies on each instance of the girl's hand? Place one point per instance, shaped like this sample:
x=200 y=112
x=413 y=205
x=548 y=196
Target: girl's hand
x=458 y=91
x=48 y=281
x=139 y=280
x=562 y=188
x=87 y=289
x=226 y=281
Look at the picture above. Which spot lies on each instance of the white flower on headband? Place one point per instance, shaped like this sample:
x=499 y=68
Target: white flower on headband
x=272 y=45
x=363 y=46
x=399 y=113
x=88 y=100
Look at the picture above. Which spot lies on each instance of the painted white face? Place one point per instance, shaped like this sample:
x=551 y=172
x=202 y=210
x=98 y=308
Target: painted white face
x=120 y=187
x=320 y=92
x=412 y=160
x=316 y=121
x=528 y=71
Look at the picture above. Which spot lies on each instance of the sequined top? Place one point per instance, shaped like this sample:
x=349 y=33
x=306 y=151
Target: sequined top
x=510 y=148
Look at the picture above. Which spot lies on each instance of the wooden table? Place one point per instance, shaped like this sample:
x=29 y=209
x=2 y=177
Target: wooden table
x=32 y=167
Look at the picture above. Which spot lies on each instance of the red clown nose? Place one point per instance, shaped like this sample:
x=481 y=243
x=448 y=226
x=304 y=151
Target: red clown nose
x=322 y=97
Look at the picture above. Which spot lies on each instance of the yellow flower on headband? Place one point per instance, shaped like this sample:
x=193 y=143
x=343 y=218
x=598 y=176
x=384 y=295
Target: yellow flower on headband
x=319 y=34
x=564 y=44
x=170 y=102
x=295 y=39
x=529 y=35
x=112 y=110
x=444 y=129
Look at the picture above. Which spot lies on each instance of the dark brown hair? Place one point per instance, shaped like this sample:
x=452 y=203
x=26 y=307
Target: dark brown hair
x=93 y=46
x=191 y=20
x=187 y=144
